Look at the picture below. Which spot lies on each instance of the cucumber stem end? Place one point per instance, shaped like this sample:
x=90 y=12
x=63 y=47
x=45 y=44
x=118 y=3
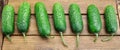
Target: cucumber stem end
x=24 y=36
x=108 y=38
x=77 y=40
x=96 y=37
x=8 y=37
x=62 y=38
x=50 y=37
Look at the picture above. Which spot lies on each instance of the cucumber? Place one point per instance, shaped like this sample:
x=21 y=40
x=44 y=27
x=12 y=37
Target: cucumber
x=110 y=21
x=94 y=20
x=8 y=21
x=42 y=19
x=23 y=18
x=59 y=19
x=76 y=21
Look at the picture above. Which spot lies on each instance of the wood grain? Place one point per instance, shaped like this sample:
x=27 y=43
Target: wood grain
x=101 y=4
x=34 y=31
x=37 y=43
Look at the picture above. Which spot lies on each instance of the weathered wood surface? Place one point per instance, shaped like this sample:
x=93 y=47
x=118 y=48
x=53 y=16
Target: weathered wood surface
x=37 y=43
x=101 y=4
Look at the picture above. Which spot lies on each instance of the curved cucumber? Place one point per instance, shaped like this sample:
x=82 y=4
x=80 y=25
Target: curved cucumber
x=8 y=21
x=75 y=20
x=110 y=21
x=94 y=20
x=42 y=19
x=23 y=18
x=59 y=19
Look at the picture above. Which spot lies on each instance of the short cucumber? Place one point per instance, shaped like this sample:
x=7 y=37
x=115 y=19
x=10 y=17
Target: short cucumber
x=42 y=19
x=76 y=21
x=8 y=21
x=110 y=21
x=23 y=18
x=94 y=20
x=59 y=19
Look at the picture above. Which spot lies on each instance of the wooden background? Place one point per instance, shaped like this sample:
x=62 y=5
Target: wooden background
x=35 y=42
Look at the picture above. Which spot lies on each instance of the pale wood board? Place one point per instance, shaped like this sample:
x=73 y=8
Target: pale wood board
x=101 y=4
x=37 y=43
x=34 y=31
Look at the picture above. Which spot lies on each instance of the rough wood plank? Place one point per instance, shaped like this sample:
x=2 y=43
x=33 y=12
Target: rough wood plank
x=37 y=43
x=33 y=28
x=101 y=4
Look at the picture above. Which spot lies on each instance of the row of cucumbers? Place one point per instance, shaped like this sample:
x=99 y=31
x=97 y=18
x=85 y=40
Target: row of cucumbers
x=43 y=24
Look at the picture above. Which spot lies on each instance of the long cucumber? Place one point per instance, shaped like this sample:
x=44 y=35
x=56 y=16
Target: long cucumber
x=42 y=19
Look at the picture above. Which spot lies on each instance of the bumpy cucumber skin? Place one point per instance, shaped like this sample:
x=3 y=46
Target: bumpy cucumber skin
x=75 y=18
x=42 y=19
x=110 y=19
x=59 y=17
x=8 y=20
x=94 y=20
x=23 y=18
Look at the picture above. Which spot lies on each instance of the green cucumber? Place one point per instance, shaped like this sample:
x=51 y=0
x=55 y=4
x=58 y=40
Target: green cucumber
x=8 y=21
x=23 y=18
x=42 y=19
x=110 y=21
x=76 y=21
x=59 y=20
x=94 y=20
